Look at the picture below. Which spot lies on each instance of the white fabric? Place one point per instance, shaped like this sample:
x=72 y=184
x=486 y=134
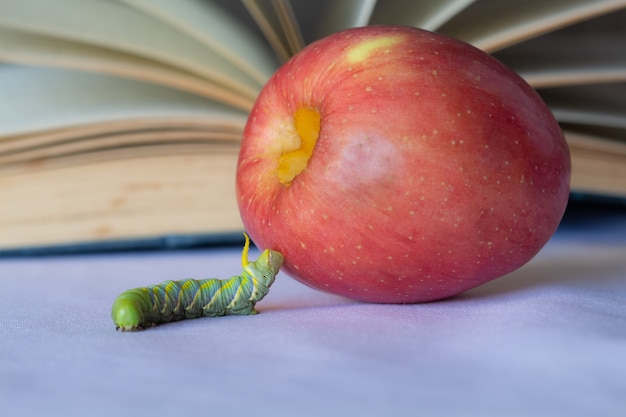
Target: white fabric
x=547 y=340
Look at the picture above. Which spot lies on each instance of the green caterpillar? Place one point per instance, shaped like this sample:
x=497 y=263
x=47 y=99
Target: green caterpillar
x=169 y=301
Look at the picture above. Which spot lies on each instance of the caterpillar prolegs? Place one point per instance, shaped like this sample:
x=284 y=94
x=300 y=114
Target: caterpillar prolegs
x=169 y=301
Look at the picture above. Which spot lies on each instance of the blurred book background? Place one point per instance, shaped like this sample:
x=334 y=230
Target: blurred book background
x=120 y=120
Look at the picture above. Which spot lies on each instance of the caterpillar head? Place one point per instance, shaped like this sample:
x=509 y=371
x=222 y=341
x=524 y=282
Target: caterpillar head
x=271 y=260
x=129 y=310
x=267 y=265
x=265 y=268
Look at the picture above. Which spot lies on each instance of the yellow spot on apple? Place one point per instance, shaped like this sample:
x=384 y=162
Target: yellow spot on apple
x=363 y=50
x=292 y=162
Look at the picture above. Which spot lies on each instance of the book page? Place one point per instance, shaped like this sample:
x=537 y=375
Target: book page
x=598 y=164
x=596 y=143
x=595 y=105
x=205 y=21
x=334 y=16
x=267 y=19
x=155 y=192
x=492 y=25
x=589 y=52
x=425 y=14
x=47 y=98
x=549 y=61
x=28 y=48
x=14 y=144
x=114 y=25
x=78 y=147
x=290 y=26
x=589 y=116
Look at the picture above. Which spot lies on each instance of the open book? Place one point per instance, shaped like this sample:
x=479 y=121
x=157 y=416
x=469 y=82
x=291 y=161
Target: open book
x=120 y=120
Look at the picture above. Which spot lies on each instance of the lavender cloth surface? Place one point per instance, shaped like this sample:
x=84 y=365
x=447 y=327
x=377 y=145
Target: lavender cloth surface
x=546 y=340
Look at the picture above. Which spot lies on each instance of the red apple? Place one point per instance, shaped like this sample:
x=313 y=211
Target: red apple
x=391 y=164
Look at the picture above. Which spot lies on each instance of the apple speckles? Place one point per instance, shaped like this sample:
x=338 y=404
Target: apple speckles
x=432 y=207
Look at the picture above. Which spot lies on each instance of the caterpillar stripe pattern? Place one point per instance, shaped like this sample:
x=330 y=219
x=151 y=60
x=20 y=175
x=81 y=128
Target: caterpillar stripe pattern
x=139 y=308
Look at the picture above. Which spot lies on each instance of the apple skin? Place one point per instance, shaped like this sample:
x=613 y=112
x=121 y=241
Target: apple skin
x=436 y=169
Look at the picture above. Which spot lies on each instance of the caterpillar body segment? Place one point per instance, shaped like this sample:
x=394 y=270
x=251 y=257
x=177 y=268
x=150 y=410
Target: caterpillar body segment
x=170 y=301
